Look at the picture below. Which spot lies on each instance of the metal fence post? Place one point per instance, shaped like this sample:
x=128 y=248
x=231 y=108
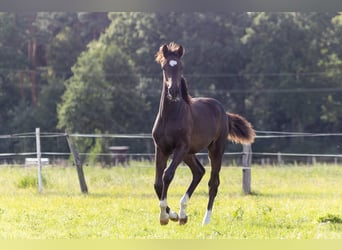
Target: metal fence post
x=39 y=161
x=246 y=168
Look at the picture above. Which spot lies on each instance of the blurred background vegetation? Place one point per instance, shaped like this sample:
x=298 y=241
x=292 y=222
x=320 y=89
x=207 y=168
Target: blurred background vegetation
x=94 y=72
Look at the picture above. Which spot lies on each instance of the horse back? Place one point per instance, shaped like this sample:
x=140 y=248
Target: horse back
x=208 y=111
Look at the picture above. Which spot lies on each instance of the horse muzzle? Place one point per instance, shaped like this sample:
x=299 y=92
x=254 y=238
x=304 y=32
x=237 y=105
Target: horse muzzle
x=172 y=92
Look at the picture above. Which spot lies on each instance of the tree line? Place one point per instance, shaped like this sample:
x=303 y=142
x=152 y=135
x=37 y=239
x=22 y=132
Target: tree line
x=94 y=72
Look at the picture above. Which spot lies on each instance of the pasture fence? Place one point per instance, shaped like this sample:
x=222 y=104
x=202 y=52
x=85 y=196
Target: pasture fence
x=245 y=155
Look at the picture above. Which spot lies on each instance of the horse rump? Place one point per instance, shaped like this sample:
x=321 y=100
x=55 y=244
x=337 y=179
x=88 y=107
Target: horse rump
x=240 y=130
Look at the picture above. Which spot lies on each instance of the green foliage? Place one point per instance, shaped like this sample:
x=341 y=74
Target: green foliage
x=95 y=151
x=30 y=181
x=212 y=49
x=101 y=95
x=63 y=51
x=83 y=104
x=280 y=70
x=330 y=218
x=12 y=59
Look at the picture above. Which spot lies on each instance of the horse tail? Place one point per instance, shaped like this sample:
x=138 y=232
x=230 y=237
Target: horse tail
x=239 y=129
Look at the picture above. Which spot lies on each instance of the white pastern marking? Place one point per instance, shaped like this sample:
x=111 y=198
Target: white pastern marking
x=163 y=215
x=183 y=204
x=206 y=218
x=172 y=63
x=184 y=200
x=163 y=203
x=173 y=215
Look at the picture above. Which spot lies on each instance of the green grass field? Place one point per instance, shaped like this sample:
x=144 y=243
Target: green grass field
x=287 y=203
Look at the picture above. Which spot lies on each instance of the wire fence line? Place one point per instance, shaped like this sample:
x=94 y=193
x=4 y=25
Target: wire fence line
x=260 y=134
x=244 y=156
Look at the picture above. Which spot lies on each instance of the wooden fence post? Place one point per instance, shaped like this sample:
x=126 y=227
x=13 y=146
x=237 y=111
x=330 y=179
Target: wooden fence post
x=39 y=161
x=78 y=163
x=246 y=168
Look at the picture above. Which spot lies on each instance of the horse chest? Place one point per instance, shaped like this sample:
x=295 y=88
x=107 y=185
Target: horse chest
x=168 y=135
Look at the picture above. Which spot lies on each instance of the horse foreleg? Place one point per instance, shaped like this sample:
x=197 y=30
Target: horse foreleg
x=167 y=177
x=198 y=171
x=165 y=212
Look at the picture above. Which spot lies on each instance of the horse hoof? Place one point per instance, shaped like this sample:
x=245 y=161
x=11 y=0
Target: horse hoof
x=183 y=221
x=174 y=216
x=164 y=222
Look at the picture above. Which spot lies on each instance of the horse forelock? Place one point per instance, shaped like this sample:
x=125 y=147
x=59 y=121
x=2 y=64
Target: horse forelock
x=172 y=51
x=173 y=47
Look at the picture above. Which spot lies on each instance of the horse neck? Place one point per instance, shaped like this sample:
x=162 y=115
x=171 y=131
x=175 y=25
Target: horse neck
x=167 y=106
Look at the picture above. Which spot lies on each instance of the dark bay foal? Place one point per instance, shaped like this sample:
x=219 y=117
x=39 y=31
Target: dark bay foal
x=183 y=127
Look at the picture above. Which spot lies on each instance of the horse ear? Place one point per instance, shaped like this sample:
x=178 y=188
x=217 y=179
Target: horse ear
x=180 y=51
x=165 y=50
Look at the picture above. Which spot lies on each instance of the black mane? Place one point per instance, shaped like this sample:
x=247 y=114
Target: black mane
x=184 y=89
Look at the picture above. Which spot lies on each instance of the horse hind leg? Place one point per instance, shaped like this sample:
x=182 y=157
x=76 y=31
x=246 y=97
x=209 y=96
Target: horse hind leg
x=215 y=155
x=197 y=171
x=214 y=182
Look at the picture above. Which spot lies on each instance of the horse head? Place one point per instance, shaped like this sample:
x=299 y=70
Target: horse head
x=169 y=58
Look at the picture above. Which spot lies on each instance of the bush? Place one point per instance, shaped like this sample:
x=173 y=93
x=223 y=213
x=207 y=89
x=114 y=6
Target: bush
x=29 y=182
x=330 y=218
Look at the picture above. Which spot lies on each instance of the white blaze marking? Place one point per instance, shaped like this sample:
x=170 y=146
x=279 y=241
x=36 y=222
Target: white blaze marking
x=172 y=63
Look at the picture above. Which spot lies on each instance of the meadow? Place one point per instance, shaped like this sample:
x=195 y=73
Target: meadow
x=289 y=202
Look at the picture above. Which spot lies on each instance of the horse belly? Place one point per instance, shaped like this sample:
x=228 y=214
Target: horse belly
x=199 y=142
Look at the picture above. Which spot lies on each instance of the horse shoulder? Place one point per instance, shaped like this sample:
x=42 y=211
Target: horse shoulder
x=157 y=129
